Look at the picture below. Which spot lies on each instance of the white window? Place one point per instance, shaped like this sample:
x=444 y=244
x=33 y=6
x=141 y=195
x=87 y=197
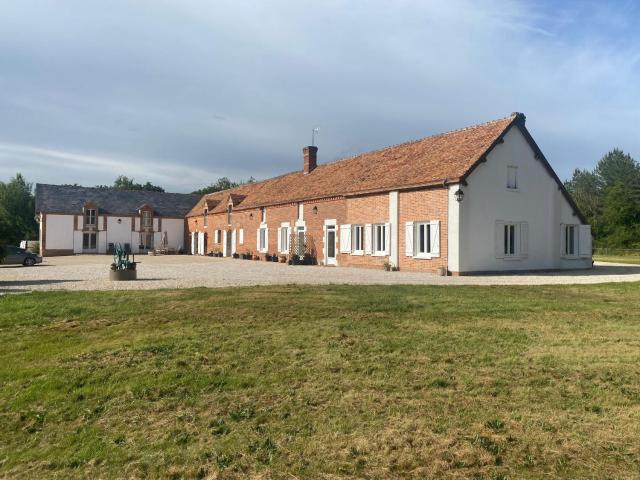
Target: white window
x=91 y=216
x=300 y=211
x=205 y=219
x=422 y=239
x=263 y=239
x=380 y=239
x=284 y=239
x=512 y=178
x=264 y=215
x=510 y=249
x=89 y=241
x=575 y=241
x=147 y=219
x=512 y=240
x=241 y=236
x=357 y=239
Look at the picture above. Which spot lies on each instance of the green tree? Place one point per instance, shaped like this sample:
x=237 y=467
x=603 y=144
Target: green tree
x=584 y=188
x=223 y=183
x=617 y=167
x=125 y=183
x=17 y=210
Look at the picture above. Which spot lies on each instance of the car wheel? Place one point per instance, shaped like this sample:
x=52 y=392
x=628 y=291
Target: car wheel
x=29 y=262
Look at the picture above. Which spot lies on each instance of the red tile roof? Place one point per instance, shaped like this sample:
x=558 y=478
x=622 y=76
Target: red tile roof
x=429 y=161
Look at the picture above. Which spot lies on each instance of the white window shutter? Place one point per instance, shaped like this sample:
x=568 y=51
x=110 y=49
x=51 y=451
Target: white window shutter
x=563 y=236
x=524 y=239
x=387 y=238
x=345 y=238
x=584 y=245
x=266 y=239
x=408 y=239
x=367 y=239
x=241 y=236
x=280 y=239
x=499 y=239
x=224 y=243
x=258 y=240
x=435 y=238
x=233 y=241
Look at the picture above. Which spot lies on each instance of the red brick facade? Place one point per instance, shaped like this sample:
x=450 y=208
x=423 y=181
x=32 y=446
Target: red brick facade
x=417 y=205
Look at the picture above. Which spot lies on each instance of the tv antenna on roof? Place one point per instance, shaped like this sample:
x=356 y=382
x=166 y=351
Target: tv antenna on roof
x=314 y=132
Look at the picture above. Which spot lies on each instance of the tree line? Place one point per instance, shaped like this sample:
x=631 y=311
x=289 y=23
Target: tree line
x=609 y=197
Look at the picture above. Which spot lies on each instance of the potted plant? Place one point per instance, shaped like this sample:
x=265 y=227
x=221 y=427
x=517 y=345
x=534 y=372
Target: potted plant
x=283 y=259
x=388 y=267
x=274 y=257
x=236 y=255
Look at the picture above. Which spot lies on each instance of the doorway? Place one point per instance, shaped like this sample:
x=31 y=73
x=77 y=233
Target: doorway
x=330 y=245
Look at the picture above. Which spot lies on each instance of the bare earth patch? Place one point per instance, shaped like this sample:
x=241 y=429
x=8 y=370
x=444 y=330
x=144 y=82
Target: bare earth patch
x=90 y=272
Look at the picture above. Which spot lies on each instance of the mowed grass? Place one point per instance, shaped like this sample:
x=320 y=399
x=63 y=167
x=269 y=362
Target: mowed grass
x=633 y=259
x=322 y=382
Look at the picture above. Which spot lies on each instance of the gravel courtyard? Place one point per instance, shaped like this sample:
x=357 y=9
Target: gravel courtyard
x=90 y=272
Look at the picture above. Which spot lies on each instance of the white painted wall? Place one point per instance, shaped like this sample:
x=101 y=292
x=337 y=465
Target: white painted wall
x=59 y=232
x=119 y=232
x=453 y=230
x=537 y=201
x=175 y=232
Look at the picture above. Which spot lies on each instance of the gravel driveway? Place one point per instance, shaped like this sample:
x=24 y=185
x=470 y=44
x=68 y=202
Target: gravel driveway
x=90 y=272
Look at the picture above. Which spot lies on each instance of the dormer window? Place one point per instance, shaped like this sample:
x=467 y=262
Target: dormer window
x=90 y=216
x=264 y=215
x=205 y=219
x=147 y=219
x=229 y=210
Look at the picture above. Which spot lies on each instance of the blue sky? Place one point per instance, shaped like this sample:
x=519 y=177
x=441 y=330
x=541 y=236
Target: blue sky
x=183 y=92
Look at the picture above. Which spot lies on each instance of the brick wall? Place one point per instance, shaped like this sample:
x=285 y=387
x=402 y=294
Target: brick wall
x=422 y=205
x=430 y=204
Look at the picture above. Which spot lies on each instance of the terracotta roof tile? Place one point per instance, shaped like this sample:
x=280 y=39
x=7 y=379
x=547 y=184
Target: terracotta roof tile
x=447 y=156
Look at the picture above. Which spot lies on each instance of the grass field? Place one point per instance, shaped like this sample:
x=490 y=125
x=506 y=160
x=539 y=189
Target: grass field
x=633 y=259
x=322 y=382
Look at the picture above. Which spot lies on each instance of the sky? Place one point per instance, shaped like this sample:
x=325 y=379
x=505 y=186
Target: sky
x=182 y=92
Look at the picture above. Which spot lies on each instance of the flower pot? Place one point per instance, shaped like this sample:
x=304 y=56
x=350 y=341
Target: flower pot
x=123 y=275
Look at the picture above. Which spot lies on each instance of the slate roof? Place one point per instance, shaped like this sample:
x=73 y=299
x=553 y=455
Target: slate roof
x=71 y=199
x=429 y=161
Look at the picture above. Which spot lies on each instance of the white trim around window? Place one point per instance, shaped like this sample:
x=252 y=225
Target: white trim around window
x=380 y=239
x=284 y=233
x=357 y=240
x=422 y=239
x=511 y=240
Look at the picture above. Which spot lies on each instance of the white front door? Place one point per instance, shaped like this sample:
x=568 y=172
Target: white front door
x=330 y=245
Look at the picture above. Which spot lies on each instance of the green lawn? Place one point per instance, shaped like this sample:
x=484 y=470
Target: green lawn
x=322 y=382
x=634 y=259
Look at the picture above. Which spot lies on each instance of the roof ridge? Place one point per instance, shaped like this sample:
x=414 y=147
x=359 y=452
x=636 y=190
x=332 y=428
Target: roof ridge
x=409 y=142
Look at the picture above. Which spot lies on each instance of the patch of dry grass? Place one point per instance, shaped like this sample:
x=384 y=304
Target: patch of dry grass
x=322 y=382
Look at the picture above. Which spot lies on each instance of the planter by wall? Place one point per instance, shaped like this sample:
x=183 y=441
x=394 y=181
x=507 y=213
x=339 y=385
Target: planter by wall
x=123 y=275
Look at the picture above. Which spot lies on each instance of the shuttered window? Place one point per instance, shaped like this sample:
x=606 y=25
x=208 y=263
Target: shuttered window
x=512 y=240
x=357 y=239
x=422 y=239
x=380 y=239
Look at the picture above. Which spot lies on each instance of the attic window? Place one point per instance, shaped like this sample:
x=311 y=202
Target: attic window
x=147 y=218
x=205 y=219
x=90 y=216
x=229 y=210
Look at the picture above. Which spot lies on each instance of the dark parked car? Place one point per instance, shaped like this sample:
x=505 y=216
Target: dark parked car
x=20 y=256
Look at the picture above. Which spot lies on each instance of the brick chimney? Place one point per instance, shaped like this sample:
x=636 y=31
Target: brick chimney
x=310 y=158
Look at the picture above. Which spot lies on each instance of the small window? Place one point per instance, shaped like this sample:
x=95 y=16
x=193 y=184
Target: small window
x=147 y=219
x=379 y=238
x=91 y=216
x=205 y=220
x=510 y=247
x=300 y=211
x=263 y=239
x=229 y=210
x=357 y=239
x=512 y=178
x=423 y=238
x=264 y=215
x=284 y=239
